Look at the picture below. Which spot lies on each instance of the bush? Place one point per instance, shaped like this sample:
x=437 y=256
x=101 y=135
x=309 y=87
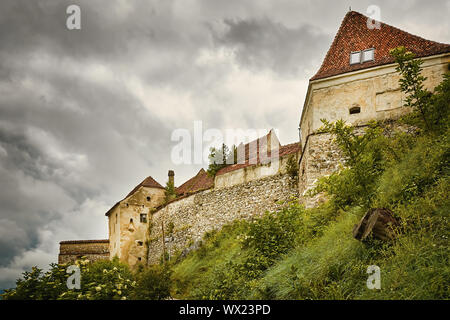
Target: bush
x=101 y=280
x=153 y=283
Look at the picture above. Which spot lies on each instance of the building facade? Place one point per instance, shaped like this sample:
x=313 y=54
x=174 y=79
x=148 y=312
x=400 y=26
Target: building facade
x=358 y=82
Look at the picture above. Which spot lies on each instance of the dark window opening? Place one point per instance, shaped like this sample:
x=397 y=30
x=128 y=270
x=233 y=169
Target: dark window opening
x=354 y=110
x=143 y=217
x=139 y=258
x=140 y=243
x=131 y=220
x=148 y=198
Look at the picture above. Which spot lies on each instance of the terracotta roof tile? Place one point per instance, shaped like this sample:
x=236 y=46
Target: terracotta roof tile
x=354 y=35
x=200 y=181
x=84 y=241
x=148 y=182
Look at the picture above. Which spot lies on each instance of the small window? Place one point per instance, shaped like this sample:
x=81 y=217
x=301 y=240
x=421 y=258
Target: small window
x=140 y=243
x=355 y=110
x=355 y=57
x=143 y=217
x=148 y=198
x=368 y=55
x=131 y=220
x=139 y=258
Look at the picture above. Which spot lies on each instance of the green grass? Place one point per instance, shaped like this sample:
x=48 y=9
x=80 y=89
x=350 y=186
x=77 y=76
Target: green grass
x=321 y=259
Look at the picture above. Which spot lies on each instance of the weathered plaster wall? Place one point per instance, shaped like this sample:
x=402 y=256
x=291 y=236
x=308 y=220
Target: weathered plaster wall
x=211 y=209
x=128 y=234
x=252 y=173
x=69 y=251
x=376 y=91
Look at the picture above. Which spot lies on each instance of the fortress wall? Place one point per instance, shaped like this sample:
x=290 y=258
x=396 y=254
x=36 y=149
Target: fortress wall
x=376 y=91
x=252 y=173
x=211 y=209
x=322 y=157
x=69 y=251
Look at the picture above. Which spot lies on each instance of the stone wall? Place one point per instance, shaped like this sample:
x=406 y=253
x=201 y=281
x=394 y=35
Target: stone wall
x=321 y=157
x=69 y=251
x=190 y=217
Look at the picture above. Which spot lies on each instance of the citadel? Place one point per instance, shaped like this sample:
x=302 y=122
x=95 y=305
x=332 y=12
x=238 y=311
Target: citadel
x=357 y=82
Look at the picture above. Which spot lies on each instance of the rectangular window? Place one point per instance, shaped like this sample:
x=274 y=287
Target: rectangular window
x=368 y=55
x=143 y=217
x=355 y=57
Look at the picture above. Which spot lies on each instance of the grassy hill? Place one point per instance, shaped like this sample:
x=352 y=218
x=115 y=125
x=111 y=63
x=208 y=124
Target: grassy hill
x=311 y=254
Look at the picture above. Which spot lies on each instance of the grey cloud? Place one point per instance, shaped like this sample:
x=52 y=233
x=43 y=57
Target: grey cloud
x=263 y=43
x=75 y=139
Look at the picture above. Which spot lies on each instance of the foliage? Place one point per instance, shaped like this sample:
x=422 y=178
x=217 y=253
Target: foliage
x=355 y=183
x=153 y=283
x=292 y=167
x=220 y=158
x=101 y=280
x=430 y=111
x=169 y=191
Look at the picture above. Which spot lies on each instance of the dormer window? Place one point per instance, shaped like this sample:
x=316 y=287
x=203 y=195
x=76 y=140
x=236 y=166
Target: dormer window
x=367 y=55
x=355 y=57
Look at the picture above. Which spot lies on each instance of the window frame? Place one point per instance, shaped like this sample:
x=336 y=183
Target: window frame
x=366 y=50
x=351 y=54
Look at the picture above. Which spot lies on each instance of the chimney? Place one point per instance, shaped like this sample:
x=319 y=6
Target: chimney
x=171 y=177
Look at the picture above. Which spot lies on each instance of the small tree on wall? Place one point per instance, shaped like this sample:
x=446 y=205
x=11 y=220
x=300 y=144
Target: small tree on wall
x=292 y=167
x=220 y=158
x=170 y=191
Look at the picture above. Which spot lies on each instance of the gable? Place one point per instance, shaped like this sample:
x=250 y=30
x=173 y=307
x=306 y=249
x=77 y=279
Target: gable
x=355 y=36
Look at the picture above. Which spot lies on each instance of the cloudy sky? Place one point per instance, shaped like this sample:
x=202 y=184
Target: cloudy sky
x=85 y=115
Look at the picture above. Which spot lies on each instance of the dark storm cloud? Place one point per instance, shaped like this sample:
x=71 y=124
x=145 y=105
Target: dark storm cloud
x=86 y=115
x=263 y=43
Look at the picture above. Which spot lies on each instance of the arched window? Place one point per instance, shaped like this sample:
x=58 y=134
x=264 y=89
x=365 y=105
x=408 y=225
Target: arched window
x=354 y=110
x=148 y=198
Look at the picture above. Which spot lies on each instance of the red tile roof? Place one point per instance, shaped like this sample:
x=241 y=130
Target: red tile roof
x=201 y=181
x=354 y=35
x=148 y=182
x=283 y=151
x=84 y=241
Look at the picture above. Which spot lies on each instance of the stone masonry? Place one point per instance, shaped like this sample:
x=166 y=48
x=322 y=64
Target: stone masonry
x=192 y=216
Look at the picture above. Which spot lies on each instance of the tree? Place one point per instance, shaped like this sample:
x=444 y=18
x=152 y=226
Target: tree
x=430 y=111
x=363 y=160
x=220 y=158
x=170 y=191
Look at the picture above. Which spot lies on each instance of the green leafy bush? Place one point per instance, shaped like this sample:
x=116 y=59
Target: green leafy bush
x=153 y=283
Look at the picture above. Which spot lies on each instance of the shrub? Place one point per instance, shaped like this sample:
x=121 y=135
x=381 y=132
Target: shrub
x=153 y=283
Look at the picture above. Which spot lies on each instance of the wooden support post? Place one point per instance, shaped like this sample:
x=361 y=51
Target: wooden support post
x=378 y=223
x=163 y=242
